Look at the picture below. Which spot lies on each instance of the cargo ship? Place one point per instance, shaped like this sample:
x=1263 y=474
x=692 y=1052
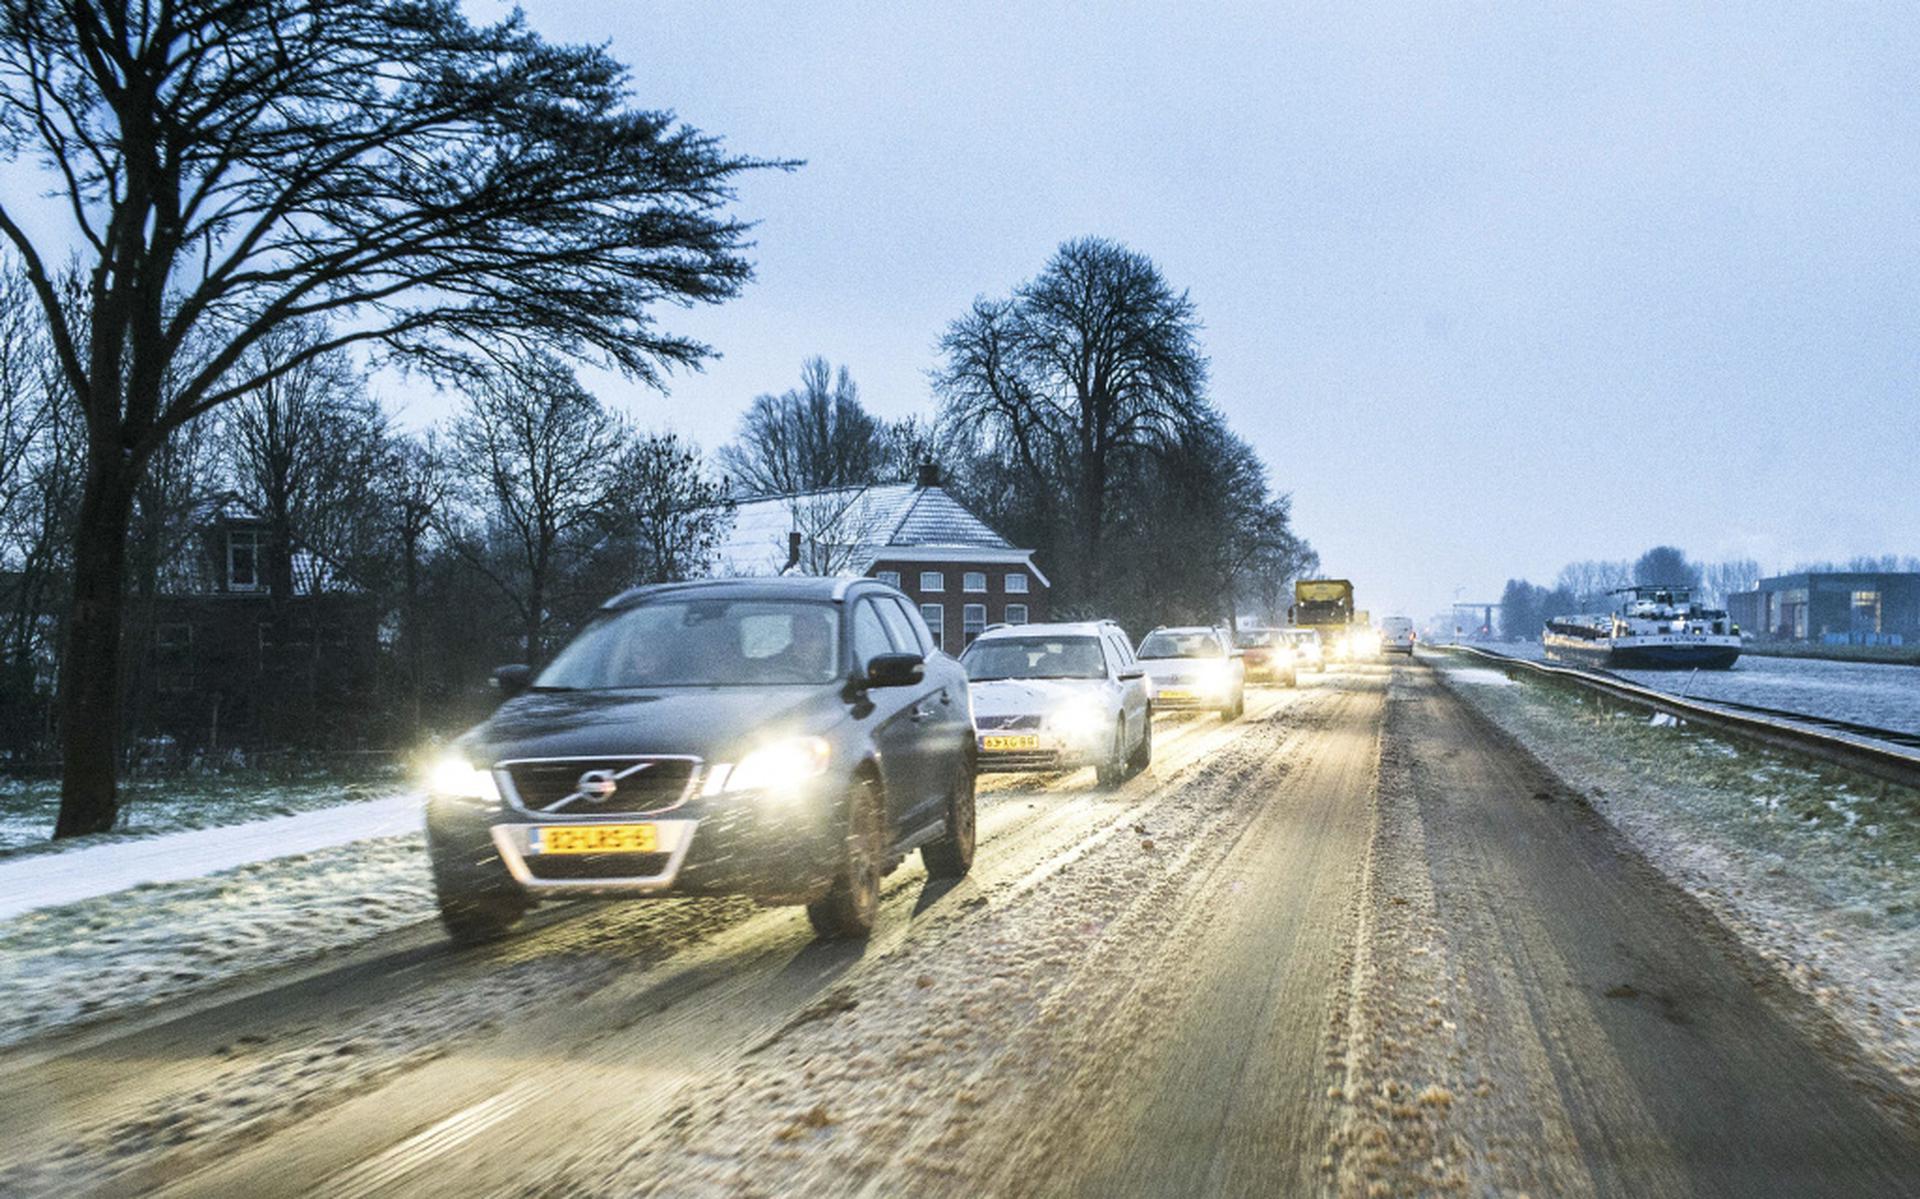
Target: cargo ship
x=1656 y=628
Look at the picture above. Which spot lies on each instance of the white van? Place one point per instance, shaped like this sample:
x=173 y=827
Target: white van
x=1397 y=635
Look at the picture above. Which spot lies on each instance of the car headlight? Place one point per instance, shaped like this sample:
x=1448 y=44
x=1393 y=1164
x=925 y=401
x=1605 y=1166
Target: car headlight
x=1077 y=723
x=781 y=768
x=455 y=777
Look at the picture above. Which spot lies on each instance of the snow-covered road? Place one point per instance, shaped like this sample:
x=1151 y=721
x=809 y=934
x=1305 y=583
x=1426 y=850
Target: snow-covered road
x=1358 y=943
x=53 y=879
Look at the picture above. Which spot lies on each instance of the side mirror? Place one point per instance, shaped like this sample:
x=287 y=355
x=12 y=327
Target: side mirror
x=510 y=681
x=1130 y=673
x=895 y=670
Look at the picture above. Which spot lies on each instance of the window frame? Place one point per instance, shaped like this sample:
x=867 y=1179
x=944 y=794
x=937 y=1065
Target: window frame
x=254 y=540
x=939 y=583
x=1014 y=577
x=1023 y=614
x=890 y=578
x=966 y=582
x=936 y=628
x=968 y=633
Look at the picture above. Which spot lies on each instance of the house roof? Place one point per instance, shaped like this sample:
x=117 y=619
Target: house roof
x=844 y=530
x=199 y=568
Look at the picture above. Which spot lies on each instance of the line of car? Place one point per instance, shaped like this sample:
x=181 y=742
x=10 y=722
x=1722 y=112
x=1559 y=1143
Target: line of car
x=792 y=740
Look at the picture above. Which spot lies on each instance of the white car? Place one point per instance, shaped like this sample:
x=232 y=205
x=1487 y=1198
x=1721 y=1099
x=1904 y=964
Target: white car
x=1308 y=651
x=1195 y=667
x=1396 y=635
x=1058 y=697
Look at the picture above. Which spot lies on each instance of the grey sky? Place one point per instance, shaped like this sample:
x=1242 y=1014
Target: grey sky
x=1490 y=289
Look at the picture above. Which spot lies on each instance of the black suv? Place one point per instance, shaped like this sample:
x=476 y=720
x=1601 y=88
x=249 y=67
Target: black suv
x=787 y=739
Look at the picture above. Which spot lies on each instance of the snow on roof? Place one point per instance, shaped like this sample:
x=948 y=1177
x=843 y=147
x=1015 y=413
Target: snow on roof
x=844 y=529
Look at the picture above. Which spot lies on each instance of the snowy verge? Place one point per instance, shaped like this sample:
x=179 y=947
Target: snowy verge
x=137 y=948
x=1815 y=869
x=152 y=807
x=86 y=871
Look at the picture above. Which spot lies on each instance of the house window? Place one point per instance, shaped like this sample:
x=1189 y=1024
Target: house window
x=973 y=621
x=243 y=560
x=936 y=617
x=1016 y=614
x=932 y=580
x=890 y=577
x=1017 y=582
x=974 y=580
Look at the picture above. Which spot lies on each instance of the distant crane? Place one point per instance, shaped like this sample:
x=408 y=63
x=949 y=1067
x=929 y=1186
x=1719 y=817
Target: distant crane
x=1485 y=628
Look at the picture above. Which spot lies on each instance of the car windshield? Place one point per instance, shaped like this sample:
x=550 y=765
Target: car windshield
x=701 y=643
x=1034 y=658
x=1180 y=645
x=1257 y=639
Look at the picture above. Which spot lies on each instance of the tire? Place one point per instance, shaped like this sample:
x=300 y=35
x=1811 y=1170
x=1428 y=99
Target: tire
x=952 y=855
x=1293 y=678
x=472 y=913
x=1143 y=755
x=1234 y=706
x=1112 y=772
x=849 y=907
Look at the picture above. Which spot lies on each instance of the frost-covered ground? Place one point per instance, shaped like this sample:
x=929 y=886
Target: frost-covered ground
x=1816 y=869
x=1885 y=696
x=84 y=868
x=131 y=949
x=167 y=805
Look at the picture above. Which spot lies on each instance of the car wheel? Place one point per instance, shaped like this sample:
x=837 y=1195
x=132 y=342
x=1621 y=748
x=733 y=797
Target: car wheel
x=1113 y=771
x=849 y=907
x=952 y=855
x=473 y=912
x=1143 y=755
x=1293 y=678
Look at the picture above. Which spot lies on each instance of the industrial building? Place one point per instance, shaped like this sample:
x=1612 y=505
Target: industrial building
x=1832 y=607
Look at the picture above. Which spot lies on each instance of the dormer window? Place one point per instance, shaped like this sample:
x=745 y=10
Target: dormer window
x=243 y=560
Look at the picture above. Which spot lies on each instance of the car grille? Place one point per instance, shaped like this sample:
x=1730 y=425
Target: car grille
x=641 y=785
x=571 y=867
x=997 y=723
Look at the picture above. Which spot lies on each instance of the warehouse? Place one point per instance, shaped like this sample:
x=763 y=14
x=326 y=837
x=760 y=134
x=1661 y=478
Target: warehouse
x=1832 y=607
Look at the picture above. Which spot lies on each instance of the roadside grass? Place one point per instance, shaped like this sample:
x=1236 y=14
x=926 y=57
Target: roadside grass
x=1815 y=867
x=175 y=803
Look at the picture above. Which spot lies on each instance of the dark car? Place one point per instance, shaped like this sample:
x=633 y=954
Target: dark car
x=786 y=739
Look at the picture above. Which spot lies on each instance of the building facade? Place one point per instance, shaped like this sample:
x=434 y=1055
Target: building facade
x=1835 y=607
x=963 y=575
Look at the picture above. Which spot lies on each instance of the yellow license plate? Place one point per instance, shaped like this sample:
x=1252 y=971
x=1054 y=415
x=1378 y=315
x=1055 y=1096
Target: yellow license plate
x=596 y=838
x=1174 y=693
x=1024 y=741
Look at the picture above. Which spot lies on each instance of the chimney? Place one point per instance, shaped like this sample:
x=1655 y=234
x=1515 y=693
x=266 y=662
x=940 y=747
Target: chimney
x=793 y=551
x=929 y=473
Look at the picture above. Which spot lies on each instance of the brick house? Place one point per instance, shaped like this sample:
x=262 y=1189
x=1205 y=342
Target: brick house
x=244 y=644
x=963 y=575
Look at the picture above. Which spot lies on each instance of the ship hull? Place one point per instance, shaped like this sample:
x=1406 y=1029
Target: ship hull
x=1638 y=653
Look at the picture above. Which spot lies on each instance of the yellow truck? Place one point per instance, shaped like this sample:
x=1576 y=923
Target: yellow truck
x=1326 y=606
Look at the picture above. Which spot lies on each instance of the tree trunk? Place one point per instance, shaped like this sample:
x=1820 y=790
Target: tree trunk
x=90 y=670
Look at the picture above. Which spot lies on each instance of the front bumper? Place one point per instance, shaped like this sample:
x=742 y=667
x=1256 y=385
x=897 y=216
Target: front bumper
x=1173 y=696
x=780 y=851
x=1050 y=751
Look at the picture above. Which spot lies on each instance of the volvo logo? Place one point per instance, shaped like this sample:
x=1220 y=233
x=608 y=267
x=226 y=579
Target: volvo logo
x=596 y=786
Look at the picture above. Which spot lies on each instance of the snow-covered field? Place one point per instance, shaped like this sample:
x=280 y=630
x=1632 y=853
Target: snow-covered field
x=1886 y=696
x=167 y=805
x=1815 y=869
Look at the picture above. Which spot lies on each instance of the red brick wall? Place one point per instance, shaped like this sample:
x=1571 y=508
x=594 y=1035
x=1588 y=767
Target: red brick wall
x=953 y=599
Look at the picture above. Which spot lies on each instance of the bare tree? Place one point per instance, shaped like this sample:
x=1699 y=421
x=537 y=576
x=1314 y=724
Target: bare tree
x=1094 y=360
x=413 y=490
x=677 y=512
x=232 y=168
x=1666 y=565
x=540 y=458
x=816 y=437
x=304 y=447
